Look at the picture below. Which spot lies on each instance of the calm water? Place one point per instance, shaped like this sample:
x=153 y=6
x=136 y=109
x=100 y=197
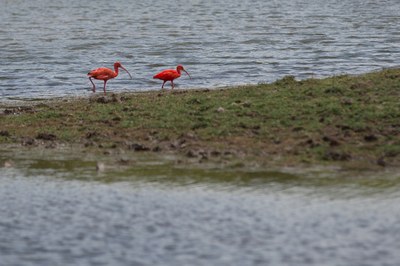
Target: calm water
x=48 y=46
x=63 y=212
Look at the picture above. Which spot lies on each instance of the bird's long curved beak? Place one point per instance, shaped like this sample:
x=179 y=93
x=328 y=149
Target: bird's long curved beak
x=126 y=71
x=187 y=73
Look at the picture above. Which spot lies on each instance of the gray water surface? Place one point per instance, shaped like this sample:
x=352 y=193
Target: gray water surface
x=61 y=211
x=47 y=47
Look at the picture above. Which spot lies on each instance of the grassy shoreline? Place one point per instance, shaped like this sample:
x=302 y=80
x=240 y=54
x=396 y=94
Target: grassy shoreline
x=346 y=120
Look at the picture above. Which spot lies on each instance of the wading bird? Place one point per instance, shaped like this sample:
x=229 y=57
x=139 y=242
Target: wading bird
x=105 y=74
x=170 y=75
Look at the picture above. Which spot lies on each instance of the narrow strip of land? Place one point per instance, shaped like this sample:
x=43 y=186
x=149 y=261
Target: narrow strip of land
x=344 y=118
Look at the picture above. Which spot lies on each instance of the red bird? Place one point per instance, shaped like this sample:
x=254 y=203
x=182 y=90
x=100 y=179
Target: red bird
x=105 y=74
x=170 y=75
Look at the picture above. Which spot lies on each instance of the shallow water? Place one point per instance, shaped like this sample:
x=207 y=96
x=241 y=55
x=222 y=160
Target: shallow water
x=156 y=212
x=47 y=47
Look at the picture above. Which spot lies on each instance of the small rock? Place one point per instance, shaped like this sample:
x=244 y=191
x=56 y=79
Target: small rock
x=188 y=135
x=123 y=161
x=115 y=98
x=203 y=154
x=100 y=167
x=220 y=110
x=310 y=143
x=156 y=149
x=28 y=141
x=297 y=129
x=103 y=99
x=347 y=101
x=91 y=134
x=8 y=164
x=337 y=156
x=138 y=147
x=332 y=141
x=215 y=153
x=191 y=154
x=8 y=112
x=89 y=144
x=370 y=138
x=4 y=133
x=46 y=136
x=51 y=145
x=194 y=101
x=381 y=161
x=246 y=104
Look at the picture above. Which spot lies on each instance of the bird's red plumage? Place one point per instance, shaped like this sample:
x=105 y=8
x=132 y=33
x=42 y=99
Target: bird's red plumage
x=102 y=73
x=168 y=75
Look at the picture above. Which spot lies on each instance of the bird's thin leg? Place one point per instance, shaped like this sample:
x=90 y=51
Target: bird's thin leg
x=94 y=87
x=172 y=82
x=104 y=89
x=162 y=87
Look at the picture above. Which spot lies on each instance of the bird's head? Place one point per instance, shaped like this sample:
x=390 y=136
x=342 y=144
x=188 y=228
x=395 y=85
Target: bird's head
x=118 y=64
x=180 y=68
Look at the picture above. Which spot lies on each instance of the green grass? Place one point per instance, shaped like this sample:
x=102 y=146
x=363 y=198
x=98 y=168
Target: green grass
x=310 y=120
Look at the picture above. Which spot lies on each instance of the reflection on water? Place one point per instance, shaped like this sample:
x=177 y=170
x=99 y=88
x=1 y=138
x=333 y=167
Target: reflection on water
x=47 y=46
x=169 y=170
x=147 y=211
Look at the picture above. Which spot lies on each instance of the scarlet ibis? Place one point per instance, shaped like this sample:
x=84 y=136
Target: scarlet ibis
x=105 y=74
x=170 y=75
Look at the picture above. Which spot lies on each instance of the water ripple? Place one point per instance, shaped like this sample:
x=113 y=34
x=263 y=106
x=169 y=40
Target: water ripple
x=264 y=41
